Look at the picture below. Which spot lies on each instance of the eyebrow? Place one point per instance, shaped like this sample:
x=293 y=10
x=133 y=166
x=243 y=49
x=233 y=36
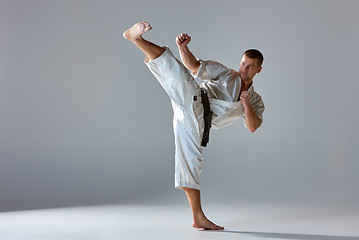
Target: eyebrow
x=248 y=65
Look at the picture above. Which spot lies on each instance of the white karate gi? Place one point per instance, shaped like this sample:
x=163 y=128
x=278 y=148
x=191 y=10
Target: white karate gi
x=223 y=87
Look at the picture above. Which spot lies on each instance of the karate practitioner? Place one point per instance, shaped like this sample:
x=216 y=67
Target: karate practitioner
x=224 y=96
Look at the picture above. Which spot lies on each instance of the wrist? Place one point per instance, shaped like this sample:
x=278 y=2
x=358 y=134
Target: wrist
x=247 y=105
x=183 y=49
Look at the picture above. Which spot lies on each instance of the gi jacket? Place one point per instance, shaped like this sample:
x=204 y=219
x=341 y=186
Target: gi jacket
x=223 y=86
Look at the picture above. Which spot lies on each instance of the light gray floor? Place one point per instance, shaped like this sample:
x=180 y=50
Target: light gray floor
x=141 y=222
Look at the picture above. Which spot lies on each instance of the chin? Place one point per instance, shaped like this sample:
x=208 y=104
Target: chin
x=246 y=79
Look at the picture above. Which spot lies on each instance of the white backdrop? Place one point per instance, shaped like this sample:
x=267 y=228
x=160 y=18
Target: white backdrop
x=83 y=121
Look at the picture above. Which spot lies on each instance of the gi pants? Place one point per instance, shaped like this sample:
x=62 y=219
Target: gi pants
x=188 y=122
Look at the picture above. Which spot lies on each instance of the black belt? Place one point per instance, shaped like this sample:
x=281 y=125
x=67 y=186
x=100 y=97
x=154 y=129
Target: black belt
x=207 y=115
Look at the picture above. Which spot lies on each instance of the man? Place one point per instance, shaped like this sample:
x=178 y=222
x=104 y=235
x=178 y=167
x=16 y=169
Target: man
x=225 y=94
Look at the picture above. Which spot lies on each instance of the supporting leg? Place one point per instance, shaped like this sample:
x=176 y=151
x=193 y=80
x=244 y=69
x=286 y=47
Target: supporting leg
x=199 y=219
x=153 y=51
x=134 y=34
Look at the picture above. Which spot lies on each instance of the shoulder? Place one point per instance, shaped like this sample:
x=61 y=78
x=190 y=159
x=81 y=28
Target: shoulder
x=254 y=95
x=213 y=64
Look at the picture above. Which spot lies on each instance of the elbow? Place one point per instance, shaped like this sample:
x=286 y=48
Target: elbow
x=198 y=64
x=252 y=130
x=195 y=67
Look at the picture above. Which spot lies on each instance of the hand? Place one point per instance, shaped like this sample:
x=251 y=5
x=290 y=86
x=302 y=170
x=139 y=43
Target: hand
x=183 y=39
x=245 y=97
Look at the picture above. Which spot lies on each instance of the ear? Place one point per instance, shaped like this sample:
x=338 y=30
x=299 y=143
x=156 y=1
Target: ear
x=259 y=69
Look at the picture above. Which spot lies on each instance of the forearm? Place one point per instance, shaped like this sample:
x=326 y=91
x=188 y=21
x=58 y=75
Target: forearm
x=251 y=119
x=188 y=59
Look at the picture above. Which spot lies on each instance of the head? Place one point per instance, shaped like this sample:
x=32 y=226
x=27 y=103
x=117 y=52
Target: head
x=251 y=64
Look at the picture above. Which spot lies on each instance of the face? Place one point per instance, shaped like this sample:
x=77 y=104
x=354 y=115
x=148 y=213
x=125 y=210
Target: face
x=248 y=68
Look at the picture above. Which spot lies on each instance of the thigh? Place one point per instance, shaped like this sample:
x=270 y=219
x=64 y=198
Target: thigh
x=174 y=77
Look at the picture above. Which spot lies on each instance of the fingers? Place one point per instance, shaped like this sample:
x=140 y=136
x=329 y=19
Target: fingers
x=183 y=37
x=244 y=95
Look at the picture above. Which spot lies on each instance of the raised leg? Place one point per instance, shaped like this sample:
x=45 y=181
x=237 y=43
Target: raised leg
x=134 y=34
x=152 y=51
x=199 y=219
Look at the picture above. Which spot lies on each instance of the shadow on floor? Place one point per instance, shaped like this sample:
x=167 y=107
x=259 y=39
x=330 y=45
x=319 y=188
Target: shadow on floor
x=291 y=235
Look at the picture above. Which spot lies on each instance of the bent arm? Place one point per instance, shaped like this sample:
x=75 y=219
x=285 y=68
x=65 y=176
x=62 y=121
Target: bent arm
x=189 y=59
x=253 y=122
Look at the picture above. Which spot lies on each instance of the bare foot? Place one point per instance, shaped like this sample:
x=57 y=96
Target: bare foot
x=204 y=223
x=136 y=31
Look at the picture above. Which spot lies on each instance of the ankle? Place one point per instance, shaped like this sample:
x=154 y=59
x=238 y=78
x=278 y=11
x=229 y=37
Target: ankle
x=137 y=39
x=199 y=216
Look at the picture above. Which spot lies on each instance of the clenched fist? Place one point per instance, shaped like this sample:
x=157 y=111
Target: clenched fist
x=183 y=39
x=245 y=97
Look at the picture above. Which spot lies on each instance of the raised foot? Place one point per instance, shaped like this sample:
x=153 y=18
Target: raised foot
x=136 y=31
x=204 y=223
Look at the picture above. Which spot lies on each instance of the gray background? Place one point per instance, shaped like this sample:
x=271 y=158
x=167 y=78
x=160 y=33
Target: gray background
x=83 y=121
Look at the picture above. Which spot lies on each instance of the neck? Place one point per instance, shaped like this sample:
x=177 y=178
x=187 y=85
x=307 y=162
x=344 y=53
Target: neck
x=245 y=85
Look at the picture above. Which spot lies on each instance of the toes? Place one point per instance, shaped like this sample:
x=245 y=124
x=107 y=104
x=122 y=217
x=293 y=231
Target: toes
x=216 y=227
x=146 y=25
x=206 y=225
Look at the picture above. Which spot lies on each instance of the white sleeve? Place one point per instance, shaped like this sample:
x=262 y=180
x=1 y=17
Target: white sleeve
x=211 y=70
x=258 y=108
